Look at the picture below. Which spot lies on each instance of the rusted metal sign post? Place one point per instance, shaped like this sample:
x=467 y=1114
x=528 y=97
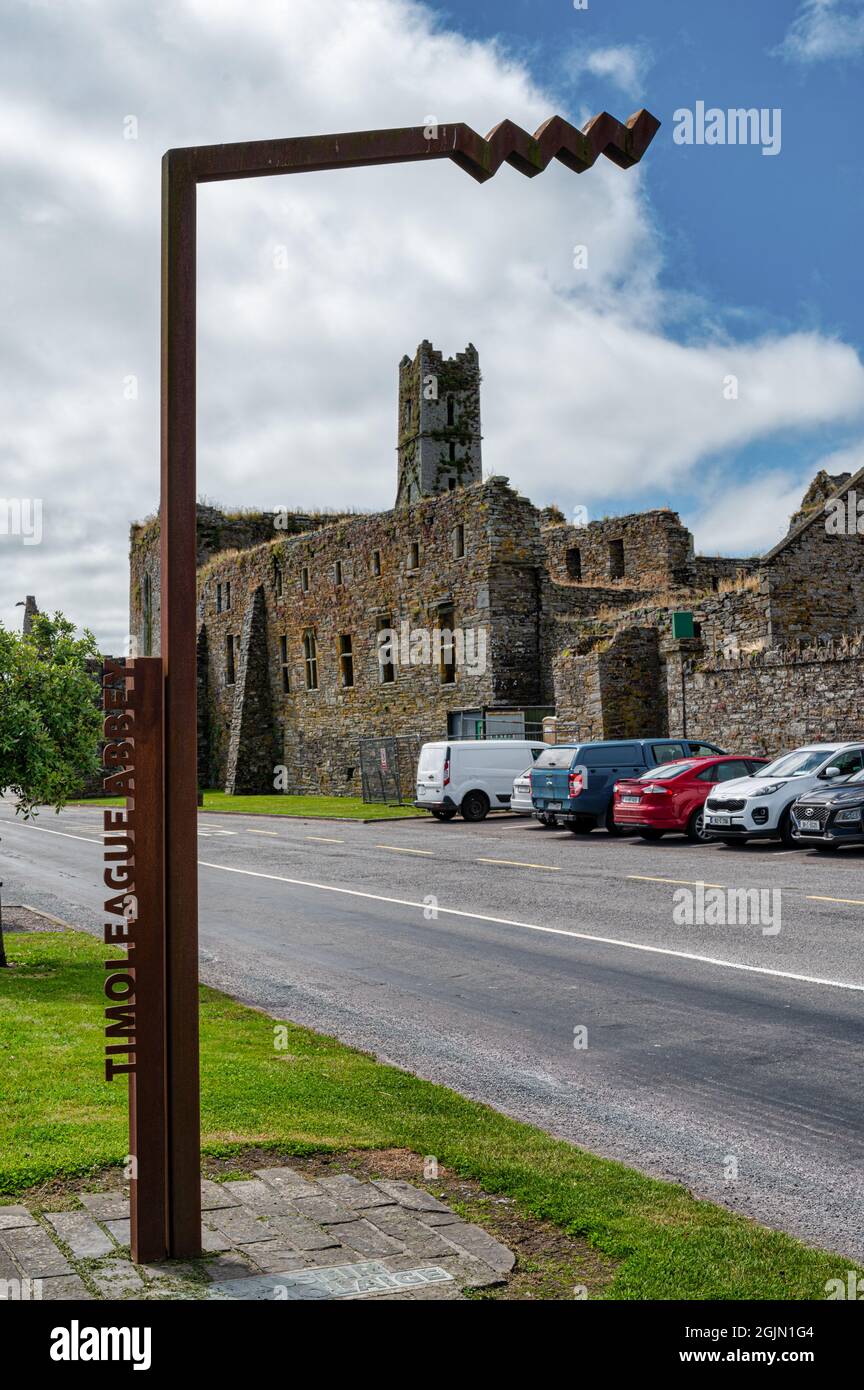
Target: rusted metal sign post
x=182 y=171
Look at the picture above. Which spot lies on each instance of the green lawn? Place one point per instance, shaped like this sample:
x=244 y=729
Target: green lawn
x=58 y=1117
x=326 y=807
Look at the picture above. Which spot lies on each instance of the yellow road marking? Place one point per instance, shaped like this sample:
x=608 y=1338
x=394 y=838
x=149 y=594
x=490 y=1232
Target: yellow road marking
x=519 y=864
x=400 y=849
x=690 y=882
x=815 y=898
x=324 y=839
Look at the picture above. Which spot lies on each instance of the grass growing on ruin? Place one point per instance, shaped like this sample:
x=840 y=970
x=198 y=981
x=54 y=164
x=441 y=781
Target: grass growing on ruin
x=58 y=1118
x=314 y=807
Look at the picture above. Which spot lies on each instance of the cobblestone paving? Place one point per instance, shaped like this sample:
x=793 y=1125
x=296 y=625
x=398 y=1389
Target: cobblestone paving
x=277 y=1235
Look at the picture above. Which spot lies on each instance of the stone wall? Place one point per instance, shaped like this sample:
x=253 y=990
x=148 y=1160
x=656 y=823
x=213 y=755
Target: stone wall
x=765 y=702
x=216 y=532
x=614 y=691
x=474 y=569
x=816 y=579
x=646 y=550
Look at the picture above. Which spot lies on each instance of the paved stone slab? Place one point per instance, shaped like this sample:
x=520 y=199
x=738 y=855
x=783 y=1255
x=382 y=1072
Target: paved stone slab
x=228 y=1267
x=273 y=1255
x=366 y=1239
x=79 y=1231
x=8 y=1267
x=13 y=1217
x=120 y=1230
x=238 y=1226
x=213 y=1242
x=287 y=1181
x=63 y=1287
x=339 y=1281
x=347 y=1190
x=14 y=1288
x=414 y=1198
x=300 y=1233
x=467 y=1272
x=167 y=1271
x=399 y=1224
x=438 y=1218
x=216 y=1194
x=35 y=1252
x=117 y=1277
x=106 y=1206
x=452 y=1292
x=323 y=1210
x=261 y=1198
x=477 y=1242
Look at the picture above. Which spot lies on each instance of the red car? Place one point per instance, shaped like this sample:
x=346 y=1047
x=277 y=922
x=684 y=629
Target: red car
x=671 y=797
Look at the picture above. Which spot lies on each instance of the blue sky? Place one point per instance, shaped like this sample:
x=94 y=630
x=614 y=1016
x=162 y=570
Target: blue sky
x=604 y=385
x=762 y=244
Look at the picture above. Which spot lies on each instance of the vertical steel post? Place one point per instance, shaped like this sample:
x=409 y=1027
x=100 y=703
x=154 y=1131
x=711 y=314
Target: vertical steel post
x=147 y=1083
x=178 y=618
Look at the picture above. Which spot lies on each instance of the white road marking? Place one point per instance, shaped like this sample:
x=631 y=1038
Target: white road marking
x=526 y=926
x=251 y=831
x=63 y=833
x=324 y=839
x=401 y=849
x=815 y=898
x=689 y=882
x=520 y=864
x=551 y=931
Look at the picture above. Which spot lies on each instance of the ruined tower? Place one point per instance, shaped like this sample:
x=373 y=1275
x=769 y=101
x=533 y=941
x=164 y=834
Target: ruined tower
x=438 y=428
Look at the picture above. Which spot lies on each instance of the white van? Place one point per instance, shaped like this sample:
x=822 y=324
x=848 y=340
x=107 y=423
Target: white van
x=472 y=776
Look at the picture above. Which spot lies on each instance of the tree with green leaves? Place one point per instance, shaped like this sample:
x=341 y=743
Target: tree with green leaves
x=50 y=721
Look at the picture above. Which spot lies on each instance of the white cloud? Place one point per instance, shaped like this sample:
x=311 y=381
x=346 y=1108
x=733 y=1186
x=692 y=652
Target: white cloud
x=625 y=65
x=585 y=393
x=748 y=517
x=825 y=29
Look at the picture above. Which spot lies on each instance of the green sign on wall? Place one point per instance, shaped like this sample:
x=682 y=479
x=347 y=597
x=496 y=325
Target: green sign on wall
x=682 y=625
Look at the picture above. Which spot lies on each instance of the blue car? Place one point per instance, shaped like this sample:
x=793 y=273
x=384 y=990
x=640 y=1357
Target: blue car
x=574 y=782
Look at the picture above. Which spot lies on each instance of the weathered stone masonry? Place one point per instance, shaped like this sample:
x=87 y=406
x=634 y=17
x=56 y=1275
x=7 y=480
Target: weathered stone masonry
x=574 y=618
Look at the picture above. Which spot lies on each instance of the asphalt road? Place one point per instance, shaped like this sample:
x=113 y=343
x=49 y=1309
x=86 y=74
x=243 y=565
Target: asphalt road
x=470 y=954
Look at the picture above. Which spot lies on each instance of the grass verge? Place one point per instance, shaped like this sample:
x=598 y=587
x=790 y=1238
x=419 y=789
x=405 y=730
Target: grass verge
x=311 y=1095
x=311 y=807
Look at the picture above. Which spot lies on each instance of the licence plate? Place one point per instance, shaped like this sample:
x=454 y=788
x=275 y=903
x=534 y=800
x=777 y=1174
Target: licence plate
x=720 y=820
x=553 y=806
x=629 y=799
x=809 y=825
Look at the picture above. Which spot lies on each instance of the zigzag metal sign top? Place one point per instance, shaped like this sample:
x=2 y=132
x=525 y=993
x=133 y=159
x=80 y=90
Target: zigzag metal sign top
x=507 y=143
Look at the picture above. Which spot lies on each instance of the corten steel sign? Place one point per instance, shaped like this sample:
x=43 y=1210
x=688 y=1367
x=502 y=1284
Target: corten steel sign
x=182 y=170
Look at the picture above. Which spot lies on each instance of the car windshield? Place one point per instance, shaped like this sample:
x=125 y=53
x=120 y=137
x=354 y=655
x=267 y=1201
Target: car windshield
x=668 y=770
x=796 y=764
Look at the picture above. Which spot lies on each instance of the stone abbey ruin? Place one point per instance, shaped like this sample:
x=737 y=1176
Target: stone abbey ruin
x=295 y=665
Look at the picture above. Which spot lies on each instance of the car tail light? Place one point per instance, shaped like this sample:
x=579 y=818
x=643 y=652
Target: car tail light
x=654 y=790
x=574 y=784
x=446 y=771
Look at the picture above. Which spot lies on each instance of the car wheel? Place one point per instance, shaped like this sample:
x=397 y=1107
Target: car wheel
x=785 y=829
x=443 y=815
x=696 y=827
x=547 y=822
x=475 y=806
x=612 y=828
x=651 y=834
